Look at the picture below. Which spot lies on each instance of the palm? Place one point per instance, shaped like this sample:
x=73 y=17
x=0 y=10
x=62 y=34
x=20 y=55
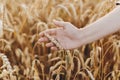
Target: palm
x=67 y=38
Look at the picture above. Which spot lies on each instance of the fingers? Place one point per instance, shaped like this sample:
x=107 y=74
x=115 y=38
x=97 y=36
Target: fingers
x=49 y=44
x=61 y=24
x=50 y=32
x=53 y=47
x=43 y=39
x=41 y=34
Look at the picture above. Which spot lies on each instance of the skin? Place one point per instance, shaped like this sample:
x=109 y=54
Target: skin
x=71 y=37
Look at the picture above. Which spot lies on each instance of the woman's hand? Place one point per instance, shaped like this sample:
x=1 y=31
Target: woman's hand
x=70 y=37
x=66 y=34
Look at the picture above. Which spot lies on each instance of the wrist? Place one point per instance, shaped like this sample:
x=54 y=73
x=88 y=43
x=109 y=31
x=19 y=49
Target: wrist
x=81 y=36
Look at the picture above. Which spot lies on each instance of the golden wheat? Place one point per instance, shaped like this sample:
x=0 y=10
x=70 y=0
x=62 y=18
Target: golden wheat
x=25 y=58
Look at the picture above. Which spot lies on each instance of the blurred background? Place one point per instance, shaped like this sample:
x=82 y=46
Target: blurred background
x=22 y=57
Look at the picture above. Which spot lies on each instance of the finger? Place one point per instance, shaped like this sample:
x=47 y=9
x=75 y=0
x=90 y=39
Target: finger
x=41 y=34
x=43 y=39
x=48 y=31
x=51 y=31
x=49 y=44
x=54 y=48
x=60 y=23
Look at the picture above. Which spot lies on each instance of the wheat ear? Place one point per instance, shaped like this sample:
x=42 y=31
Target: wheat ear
x=54 y=41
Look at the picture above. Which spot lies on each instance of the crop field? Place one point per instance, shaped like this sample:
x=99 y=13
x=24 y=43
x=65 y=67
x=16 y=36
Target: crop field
x=22 y=57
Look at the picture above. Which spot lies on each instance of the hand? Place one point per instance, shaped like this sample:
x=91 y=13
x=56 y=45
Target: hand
x=66 y=34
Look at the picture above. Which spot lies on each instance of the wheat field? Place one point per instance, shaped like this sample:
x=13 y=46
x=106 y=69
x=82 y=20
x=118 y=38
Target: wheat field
x=22 y=57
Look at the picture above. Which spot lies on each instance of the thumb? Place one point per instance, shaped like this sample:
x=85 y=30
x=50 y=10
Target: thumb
x=60 y=23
